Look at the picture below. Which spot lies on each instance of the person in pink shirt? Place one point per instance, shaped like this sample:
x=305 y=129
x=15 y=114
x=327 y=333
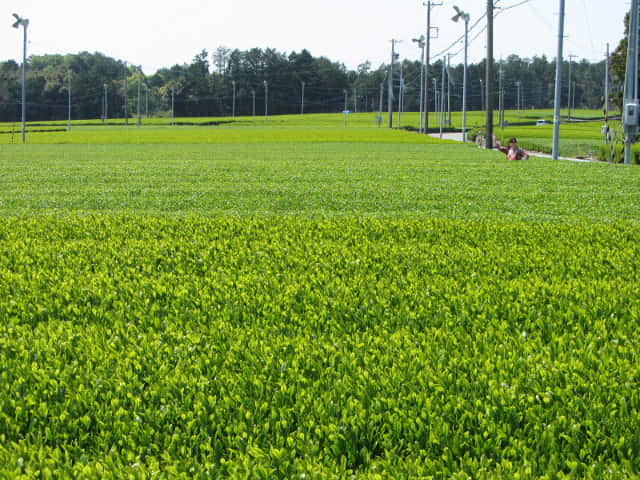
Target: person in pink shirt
x=513 y=152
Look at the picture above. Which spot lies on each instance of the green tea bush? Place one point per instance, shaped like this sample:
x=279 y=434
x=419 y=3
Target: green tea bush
x=616 y=154
x=283 y=347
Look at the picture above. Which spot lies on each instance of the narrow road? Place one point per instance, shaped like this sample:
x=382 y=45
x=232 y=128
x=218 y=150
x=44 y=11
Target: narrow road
x=457 y=136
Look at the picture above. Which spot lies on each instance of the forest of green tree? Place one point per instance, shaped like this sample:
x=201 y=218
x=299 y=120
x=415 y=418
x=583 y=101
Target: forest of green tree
x=205 y=86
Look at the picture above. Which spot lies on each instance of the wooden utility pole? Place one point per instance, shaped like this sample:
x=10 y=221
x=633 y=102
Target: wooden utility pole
x=489 y=78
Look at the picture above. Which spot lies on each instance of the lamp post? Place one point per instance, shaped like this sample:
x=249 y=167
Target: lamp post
x=25 y=23
x=465 y=16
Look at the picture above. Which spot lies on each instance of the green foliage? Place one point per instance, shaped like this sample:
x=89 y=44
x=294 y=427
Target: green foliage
x=314 y=303
x=615 y=153
x=274 y=347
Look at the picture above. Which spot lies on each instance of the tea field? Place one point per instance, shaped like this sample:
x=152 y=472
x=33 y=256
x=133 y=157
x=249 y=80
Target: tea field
x=314 y=302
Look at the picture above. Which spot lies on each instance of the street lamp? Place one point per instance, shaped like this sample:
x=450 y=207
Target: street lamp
x=465 y=16
x=25 y=23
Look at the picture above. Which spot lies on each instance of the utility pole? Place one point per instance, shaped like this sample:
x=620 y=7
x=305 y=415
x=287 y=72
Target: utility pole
x=571 y=57
x=266 y=103
x=69 y=116
x=172 y=105
x=390 y=99
x=233 y=106
x=558 y=89
x=630 y=116
x=430 y=4
x=139 y=94
x=346 y=97
x=489 y=79
x=302 y=102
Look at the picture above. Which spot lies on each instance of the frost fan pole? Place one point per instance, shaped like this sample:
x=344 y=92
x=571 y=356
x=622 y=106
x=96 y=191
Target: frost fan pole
x=24 y=22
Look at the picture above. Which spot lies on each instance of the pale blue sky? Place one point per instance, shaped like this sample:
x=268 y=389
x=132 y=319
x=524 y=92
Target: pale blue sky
x=161 y=33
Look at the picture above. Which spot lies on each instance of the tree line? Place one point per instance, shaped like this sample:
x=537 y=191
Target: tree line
x=208 y=85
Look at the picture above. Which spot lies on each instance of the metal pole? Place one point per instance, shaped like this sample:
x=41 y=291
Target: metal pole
x=139 y=91
x=464 y=81
x=426 y=69
x=146 y=100
x=266 y=103
x=444 y=63
x=558 y=88
x=390 y=96
x=420 y=126
x=172 y=104
x=606 y=86
x=449 y=89
x=302 y=103
x=233 y=107
x=481 y=95
x=69 y=116
x=489 y=79
x=400 y=94
x=571 y=57
x=381 y=94
x=253 y=101
x=630 y=102
x=355 y=100
x=518 y=98
x=126 y=102
x=106 y=105
x=24 y=83
x=501 y=96
x=435 y=97
x=606 y=97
